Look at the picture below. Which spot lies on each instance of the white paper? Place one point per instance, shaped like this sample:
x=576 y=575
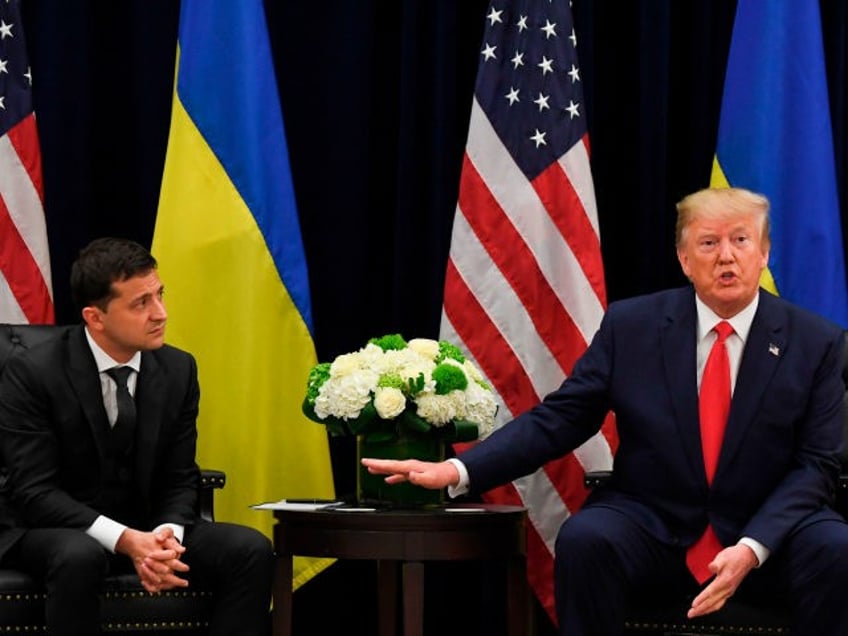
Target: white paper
x=300 y=505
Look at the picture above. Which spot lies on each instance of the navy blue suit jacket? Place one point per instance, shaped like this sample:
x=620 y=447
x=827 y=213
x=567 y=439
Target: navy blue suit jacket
x=780 y=456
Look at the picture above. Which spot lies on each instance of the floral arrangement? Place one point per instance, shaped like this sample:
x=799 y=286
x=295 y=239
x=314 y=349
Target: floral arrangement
x=392 y=387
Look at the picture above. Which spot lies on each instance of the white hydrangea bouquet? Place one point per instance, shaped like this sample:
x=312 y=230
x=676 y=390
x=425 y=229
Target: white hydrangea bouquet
x=392 y=388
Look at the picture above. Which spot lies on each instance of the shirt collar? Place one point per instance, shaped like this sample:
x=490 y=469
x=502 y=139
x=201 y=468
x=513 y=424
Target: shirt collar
x=741 y=322
x=105 y=361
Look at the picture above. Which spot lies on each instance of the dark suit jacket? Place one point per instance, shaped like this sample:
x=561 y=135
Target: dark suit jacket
x=53 y=426
x=780 y=456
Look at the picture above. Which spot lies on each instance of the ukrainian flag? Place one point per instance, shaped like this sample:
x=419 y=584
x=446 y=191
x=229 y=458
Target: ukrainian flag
x=230 y=256
x=775 y=138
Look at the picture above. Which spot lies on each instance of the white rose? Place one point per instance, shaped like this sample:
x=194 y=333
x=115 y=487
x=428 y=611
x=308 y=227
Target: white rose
x=425 y=347
x=389 y=402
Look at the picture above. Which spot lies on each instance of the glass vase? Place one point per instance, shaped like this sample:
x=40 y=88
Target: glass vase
x=373 y=489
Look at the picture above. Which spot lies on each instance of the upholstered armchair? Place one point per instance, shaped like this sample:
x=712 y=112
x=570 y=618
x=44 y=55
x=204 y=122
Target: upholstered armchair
x=126 y=606
x=668 y=616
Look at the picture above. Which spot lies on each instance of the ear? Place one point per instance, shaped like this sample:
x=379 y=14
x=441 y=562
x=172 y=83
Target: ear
x=683 y=259
x=92 y=317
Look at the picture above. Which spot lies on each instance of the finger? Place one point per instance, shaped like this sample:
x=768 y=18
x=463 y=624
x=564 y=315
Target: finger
x=396 y=479
x=157 y=567
x=172 y=580
x=163 y=555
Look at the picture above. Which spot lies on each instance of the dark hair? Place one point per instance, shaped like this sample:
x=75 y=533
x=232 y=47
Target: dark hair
x=101 y=263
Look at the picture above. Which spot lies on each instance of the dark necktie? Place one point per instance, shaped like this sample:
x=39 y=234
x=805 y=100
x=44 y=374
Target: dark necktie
x=124 y=427
x=713 y=408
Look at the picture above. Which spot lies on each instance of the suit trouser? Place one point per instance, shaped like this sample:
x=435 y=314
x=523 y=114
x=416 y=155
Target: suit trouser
x=606 y=561
x=235 y=562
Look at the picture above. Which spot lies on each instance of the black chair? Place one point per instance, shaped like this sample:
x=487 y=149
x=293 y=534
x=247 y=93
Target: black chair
x=668 y=616
x=126 y=606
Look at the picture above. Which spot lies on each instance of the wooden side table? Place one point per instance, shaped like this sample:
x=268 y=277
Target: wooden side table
x=401 y=541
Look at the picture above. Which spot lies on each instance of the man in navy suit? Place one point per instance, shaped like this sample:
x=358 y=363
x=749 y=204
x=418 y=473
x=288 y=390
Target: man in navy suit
x=768 y=500
x=99 y=490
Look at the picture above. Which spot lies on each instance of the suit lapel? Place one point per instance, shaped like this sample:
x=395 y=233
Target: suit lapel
x=86 y=382
x=678 y=342
x=763 y=350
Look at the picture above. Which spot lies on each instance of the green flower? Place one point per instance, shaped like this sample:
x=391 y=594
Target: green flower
x=449 y=377
x=390 y=341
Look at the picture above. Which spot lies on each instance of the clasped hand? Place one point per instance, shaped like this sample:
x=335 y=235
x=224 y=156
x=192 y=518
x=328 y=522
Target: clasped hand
x=156 y=558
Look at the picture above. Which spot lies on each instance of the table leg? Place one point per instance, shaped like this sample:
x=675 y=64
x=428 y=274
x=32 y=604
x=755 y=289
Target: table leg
x=518 y=597
x=386 y=597
x=413 y=598
x=282 y=615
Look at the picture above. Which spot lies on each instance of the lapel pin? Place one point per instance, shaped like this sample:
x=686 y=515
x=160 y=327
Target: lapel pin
x=774 y=349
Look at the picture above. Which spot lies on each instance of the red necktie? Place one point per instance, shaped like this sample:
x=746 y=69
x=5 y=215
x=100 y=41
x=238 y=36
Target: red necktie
x=713 y=407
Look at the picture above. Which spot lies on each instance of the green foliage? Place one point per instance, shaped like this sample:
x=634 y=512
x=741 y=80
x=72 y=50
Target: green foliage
x=415 y=385
x=449 y=377
x=448 y=350
x=317 y=376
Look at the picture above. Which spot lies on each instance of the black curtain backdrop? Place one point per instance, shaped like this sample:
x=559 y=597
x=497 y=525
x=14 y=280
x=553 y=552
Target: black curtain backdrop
x=376 y=96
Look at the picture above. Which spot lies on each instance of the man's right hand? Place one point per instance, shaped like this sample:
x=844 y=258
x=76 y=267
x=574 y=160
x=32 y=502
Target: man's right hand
x=426 y=474
x=156 y=558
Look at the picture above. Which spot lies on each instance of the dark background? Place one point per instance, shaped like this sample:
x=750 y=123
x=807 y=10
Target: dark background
x=376 y=96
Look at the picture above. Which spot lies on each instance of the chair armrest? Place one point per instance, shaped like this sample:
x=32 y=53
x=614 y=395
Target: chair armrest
x=596 y=478
x=210 y=480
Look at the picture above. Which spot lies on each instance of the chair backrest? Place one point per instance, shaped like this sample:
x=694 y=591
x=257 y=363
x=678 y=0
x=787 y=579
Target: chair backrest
x=16 y=338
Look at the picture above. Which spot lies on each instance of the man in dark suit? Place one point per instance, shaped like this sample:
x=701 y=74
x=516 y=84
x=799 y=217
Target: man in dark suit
x=104 y=480
x=756 y=518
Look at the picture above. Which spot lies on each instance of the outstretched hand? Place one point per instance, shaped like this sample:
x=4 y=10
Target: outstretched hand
x=433 y=475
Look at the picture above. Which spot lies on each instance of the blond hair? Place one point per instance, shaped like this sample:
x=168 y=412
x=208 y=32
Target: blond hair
x=717 y=202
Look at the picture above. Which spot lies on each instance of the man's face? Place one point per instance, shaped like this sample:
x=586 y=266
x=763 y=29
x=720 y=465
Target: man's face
x=134 y=319
x=723 y=256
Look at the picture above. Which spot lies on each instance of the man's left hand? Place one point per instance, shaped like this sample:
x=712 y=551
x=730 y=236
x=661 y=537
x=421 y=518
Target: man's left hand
x=730 y=567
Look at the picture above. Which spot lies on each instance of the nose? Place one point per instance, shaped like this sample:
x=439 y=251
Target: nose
x=725 y=253
x=158 y=311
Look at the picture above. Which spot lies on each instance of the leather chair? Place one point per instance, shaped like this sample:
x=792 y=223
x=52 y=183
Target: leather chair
x=668 y=616
x=126 y=606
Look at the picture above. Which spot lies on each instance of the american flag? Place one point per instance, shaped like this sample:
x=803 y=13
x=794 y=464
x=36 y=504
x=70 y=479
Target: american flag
x=524 y=289
x=25 y=288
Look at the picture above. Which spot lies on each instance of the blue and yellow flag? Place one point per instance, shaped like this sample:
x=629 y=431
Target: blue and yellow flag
x=230 y=256
x=775 y=138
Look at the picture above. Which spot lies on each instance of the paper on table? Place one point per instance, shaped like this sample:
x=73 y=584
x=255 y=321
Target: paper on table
x=297 y=504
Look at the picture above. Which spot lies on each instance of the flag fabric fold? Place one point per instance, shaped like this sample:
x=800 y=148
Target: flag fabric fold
x=775 y=137
x=26 y=293
x=524 y=288
x=230 y=254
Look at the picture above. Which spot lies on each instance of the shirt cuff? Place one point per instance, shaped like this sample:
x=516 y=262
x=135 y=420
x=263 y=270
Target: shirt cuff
x=106 y=532
x=760 y=551
x=179 y=530
x=463 y=486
